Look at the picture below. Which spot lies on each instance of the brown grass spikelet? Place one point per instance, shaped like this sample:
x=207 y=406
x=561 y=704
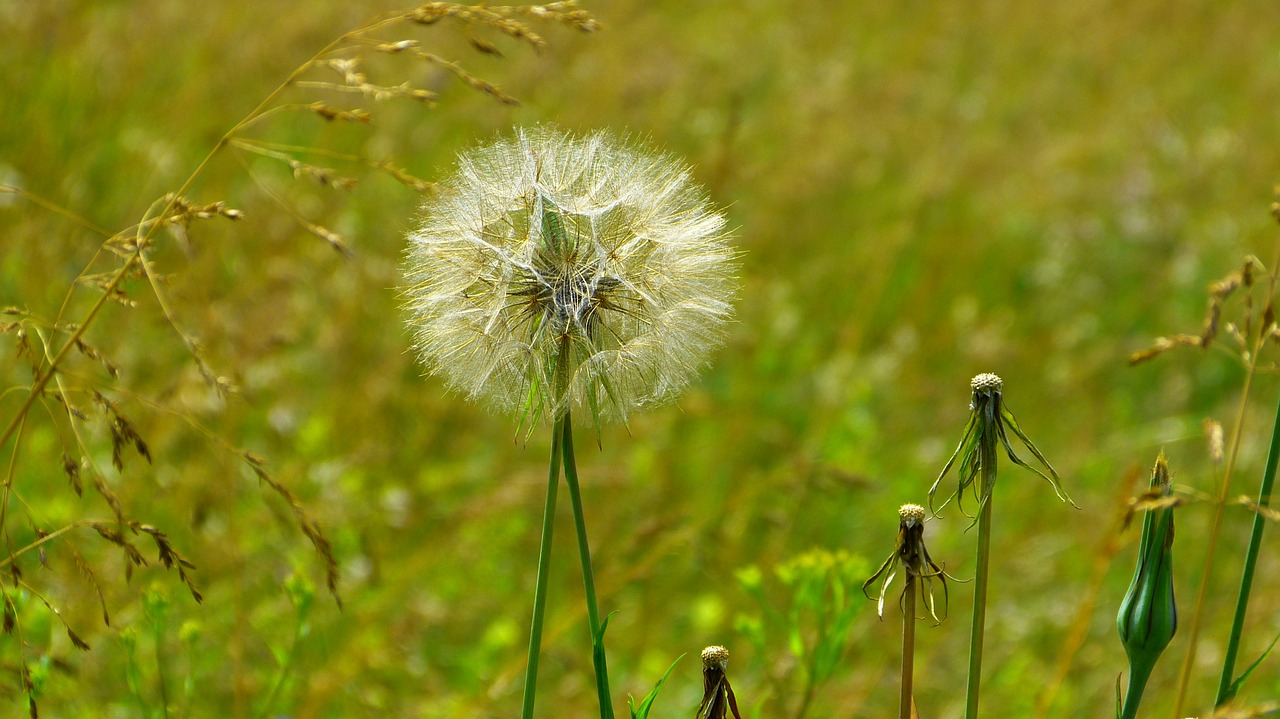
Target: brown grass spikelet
x=72 y=470
x=111 y=532
x=132 y=267
x=1243 y=336
x=309 y=526
x=332 y=114
x=92 y=353
x=123 y=432
x=169 y=556
x=324 y=175
x=87 y=572
x=1164 y=344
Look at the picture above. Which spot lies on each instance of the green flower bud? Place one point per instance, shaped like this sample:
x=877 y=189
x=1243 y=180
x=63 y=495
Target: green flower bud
x=1148 y=616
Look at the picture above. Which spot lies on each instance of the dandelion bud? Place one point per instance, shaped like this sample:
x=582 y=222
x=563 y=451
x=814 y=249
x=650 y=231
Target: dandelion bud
x=556 y=271
x=1148 y=616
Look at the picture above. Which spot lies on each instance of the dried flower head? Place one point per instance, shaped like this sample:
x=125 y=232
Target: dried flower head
x=556 y=271
x=718 y=699
x=913 y=557
x=715 y=656
x=988 y=428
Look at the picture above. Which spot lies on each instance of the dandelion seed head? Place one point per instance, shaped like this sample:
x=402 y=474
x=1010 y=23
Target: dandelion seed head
x=715 y=656
x=911 y=514
x=556 y=271
x=987 y=383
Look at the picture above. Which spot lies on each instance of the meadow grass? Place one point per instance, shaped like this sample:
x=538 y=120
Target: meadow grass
x=921 y=196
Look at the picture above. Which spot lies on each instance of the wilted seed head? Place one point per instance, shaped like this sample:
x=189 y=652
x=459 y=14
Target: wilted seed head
x=988 y=429
x=715 y=656
x=718 y=699
x=555 y=271
x=987 y=383
x=911 y=514
x=912 y=557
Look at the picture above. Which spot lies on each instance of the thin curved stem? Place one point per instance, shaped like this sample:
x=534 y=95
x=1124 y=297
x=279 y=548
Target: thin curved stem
x=588 y=581
x=544 y=566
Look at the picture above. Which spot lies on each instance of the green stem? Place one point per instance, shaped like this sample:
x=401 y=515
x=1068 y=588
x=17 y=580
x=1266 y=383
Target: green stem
x=908 y=646
x=285 y=668
x=584 y=553
x=1137 y=684
x=544 y=566
x=1215 y=528
x=1250 y=563
x=160 y=672
x=979 y=604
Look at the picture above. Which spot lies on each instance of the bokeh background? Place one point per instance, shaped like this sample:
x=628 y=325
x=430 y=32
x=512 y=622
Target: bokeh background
x=921 y=192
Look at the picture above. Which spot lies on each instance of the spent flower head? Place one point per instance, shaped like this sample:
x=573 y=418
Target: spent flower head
x=913 y=558
x=717 y=696
x=990 y=423
x=556 y=271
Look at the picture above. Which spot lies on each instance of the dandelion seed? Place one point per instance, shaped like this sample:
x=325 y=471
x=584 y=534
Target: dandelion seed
x=556 y=271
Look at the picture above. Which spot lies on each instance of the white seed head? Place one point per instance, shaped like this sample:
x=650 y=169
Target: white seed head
x=556 y=271
x=911 y=514
x=987 y=383
x=715 y=656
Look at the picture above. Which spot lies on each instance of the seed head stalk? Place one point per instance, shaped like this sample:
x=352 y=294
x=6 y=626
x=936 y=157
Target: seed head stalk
x=978 y=627
x=562 y=452
x=990 y=425
x=588 y=581
x=556 y=272
x=544 y=565
x=908 y=647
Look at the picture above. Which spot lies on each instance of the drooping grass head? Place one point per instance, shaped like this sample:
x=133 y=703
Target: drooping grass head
x=556 y=270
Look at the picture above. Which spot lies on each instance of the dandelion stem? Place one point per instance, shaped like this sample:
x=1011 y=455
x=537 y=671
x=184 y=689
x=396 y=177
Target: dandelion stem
x=544 y=566
x=908 y=646
x=980 y=595
x=1250 y=563
x=584 y=553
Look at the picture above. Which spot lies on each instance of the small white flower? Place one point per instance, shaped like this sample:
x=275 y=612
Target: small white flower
x=556 y=271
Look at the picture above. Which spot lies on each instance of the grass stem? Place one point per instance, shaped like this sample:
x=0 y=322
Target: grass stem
x=588 y=581
x=1215 y=529
x=544 y=566
x=1250 y=564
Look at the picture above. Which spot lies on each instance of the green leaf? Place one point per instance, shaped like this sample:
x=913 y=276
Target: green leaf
x=642 y=711
x=1239 y=682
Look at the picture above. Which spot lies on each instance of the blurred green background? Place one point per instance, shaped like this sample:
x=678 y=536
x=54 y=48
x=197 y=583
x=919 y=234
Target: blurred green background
x=921 y=191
